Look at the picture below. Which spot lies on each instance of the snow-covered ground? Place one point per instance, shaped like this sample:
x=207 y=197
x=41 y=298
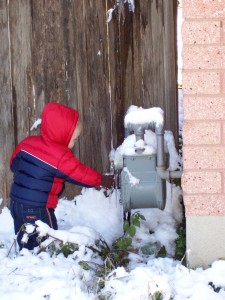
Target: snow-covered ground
x=40 y=276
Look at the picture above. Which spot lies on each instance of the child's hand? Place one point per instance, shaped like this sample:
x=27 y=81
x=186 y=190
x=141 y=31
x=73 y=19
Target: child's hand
x=107 y=181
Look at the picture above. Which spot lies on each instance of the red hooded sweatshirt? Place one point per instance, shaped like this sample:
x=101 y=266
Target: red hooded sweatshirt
x=41 y=164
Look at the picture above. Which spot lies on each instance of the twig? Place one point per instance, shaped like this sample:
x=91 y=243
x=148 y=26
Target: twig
x=13 y=271
x=94 y=263
x=15 y=238
x=104 y=242
x=13 y=243
x=94 y=249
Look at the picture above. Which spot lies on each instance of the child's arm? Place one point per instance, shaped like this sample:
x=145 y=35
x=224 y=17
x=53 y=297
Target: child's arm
x=73 y=171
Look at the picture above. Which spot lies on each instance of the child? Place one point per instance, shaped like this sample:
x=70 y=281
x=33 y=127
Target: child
x=41 y=165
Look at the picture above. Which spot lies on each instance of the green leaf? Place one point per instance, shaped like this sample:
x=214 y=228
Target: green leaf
x=157 y=296
x=124 y=243
x=162 y=252
x=84 y=265
x=131 y=230
x=136 y=222
x=138 y=215
x=126 y=226
x=142 y=217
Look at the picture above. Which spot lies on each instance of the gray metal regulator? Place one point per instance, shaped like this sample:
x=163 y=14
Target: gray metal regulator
x=142 y=177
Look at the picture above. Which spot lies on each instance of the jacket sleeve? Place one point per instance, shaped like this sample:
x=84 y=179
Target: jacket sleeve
x=73 y=171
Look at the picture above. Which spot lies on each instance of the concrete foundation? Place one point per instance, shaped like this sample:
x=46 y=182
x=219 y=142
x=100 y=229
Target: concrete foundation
x=205 y=239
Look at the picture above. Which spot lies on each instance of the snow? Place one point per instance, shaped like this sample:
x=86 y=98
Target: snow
x=120 y=5
x=133 y=180
x=36 y=124
x=26 y=275
x=139 y=115
x=130 y=145
x=109 y=14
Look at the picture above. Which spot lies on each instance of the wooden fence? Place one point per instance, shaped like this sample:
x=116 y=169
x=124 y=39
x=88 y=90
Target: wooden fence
x=65 y=51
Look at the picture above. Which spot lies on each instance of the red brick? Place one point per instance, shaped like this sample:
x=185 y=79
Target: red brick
x=223 y=32
x=207 y=133
x=204 y=57
x=201 y=82
x=202 y=182
x=204 y=205
x=203 y=157
x=223 y=82
x=204 y=108
x=223 y=133
x=203 y=8
x=201 y=32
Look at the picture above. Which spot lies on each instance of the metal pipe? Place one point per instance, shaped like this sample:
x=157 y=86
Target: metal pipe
x=161 y=167
x=167 y=175
x=160 y=146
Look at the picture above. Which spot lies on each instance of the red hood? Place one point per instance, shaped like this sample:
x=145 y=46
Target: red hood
x=58 y=123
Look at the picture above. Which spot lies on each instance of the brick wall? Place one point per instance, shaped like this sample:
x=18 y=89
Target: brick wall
x=203 y=34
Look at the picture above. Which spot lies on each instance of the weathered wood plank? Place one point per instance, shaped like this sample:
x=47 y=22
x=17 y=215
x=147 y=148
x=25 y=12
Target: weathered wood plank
x=91 y=71
x=144 y=62
x=48 y=52
x=170 y=67
x=19 y=26
x=6 y=115
x=159 y=58
x=64 y=51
